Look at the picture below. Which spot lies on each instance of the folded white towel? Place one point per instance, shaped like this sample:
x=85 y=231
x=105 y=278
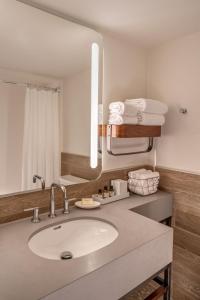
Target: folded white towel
x=123 y=108
x=149 y=105
x=140 y=119
x=150 y=119
x=116 y=119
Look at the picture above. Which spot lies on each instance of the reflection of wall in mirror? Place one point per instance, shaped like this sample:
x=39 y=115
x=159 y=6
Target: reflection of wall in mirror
x=76 y=113
x=11 y=132
x=75 y=157
x=12 y=100
x=76 y=126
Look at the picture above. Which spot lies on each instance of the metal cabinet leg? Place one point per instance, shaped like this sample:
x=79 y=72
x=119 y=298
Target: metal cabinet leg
x=164 y=289
x=167 y=283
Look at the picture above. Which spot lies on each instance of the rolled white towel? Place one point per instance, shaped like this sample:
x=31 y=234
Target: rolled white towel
x=123 y=108
x=100 y=113
x=136 y=182
x=149 y=175
x=149 y=105
x=143 y=190
x=116 y=119
x=137 y=173
x=150 y=119
x=143 y=174
x=134 y=174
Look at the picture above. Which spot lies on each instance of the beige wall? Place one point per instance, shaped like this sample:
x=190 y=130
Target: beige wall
x=174 y=78
x=124 y=77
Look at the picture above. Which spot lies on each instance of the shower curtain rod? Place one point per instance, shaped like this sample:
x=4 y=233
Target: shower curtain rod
x=42 y=87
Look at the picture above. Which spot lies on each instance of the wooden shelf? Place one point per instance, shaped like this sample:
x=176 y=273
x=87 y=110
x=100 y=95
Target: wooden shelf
x=130 y=131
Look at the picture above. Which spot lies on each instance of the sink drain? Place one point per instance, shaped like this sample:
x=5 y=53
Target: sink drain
x=66 y=255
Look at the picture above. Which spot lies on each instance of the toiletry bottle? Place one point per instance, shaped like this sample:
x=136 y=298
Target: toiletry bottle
x=100 y=194
x=111 y=191
x=105 y=192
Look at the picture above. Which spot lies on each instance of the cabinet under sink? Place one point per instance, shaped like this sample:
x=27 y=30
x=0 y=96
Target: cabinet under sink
x=159 y=210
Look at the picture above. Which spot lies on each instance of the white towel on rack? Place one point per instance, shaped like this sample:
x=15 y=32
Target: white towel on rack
x=140 y=119
x=148 y=105
x=150 y=119
x=115 y=119
x=100 y=113
x=122 y=108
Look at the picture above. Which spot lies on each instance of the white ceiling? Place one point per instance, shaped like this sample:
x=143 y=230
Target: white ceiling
x=37 y=42
x=148 y=22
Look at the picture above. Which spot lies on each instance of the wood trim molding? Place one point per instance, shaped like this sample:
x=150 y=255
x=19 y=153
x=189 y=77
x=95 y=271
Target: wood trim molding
x=131 y=131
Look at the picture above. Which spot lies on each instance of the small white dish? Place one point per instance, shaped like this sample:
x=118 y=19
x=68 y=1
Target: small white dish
x=95 y=204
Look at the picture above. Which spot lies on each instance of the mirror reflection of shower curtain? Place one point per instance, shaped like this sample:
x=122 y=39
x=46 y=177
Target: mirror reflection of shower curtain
x=41 y=142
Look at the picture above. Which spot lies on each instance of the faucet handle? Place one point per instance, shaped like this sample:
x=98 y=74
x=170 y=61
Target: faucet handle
x=66 y=207
x=35 y=218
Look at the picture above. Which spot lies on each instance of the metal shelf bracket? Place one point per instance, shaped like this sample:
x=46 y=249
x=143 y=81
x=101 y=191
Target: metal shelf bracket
x=109 y=144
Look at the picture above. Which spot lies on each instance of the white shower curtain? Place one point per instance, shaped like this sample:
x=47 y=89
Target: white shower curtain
x=41 y=143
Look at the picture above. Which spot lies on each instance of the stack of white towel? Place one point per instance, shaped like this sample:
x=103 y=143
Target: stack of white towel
x=100 y=114
x=143 y=182
x=137 y=111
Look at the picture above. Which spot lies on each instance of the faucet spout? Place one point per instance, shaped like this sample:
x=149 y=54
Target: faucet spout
x=52 y=199
x=35 y=177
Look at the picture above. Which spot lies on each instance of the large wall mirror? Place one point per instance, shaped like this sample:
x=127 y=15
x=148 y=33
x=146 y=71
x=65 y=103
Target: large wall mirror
x=50 y=92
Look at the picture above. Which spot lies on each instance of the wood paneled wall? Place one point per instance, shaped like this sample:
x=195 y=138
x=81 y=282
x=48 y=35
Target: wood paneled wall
x=79 y=165
x=11 y=208
x=186 y=219
x=185 y=188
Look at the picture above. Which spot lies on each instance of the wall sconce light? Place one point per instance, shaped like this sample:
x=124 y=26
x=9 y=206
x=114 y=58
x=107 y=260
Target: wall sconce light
x=94 y=105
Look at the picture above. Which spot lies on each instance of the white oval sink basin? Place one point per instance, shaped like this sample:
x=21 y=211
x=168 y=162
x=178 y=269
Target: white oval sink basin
x=74 y=238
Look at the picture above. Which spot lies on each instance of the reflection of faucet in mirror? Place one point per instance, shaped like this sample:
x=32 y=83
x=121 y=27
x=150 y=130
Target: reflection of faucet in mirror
x=52 y=199
x=35 y=177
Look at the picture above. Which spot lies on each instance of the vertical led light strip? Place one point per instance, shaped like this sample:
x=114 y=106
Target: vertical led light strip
x=94 y=105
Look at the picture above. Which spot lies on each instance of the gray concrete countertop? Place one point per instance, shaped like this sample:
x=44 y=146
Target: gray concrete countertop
x=26 y=276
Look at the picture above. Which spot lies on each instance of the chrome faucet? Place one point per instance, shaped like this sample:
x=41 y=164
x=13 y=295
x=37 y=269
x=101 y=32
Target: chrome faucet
x=52 y=213
x=35 y=177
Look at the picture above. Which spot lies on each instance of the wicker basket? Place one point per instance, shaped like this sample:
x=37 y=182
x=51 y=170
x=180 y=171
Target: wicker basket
x=144 y=186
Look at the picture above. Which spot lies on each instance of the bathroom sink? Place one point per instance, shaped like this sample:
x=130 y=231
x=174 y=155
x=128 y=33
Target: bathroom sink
x=72 y=239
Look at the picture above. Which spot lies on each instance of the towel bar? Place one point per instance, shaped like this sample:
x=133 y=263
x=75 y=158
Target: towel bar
x=109 y=144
